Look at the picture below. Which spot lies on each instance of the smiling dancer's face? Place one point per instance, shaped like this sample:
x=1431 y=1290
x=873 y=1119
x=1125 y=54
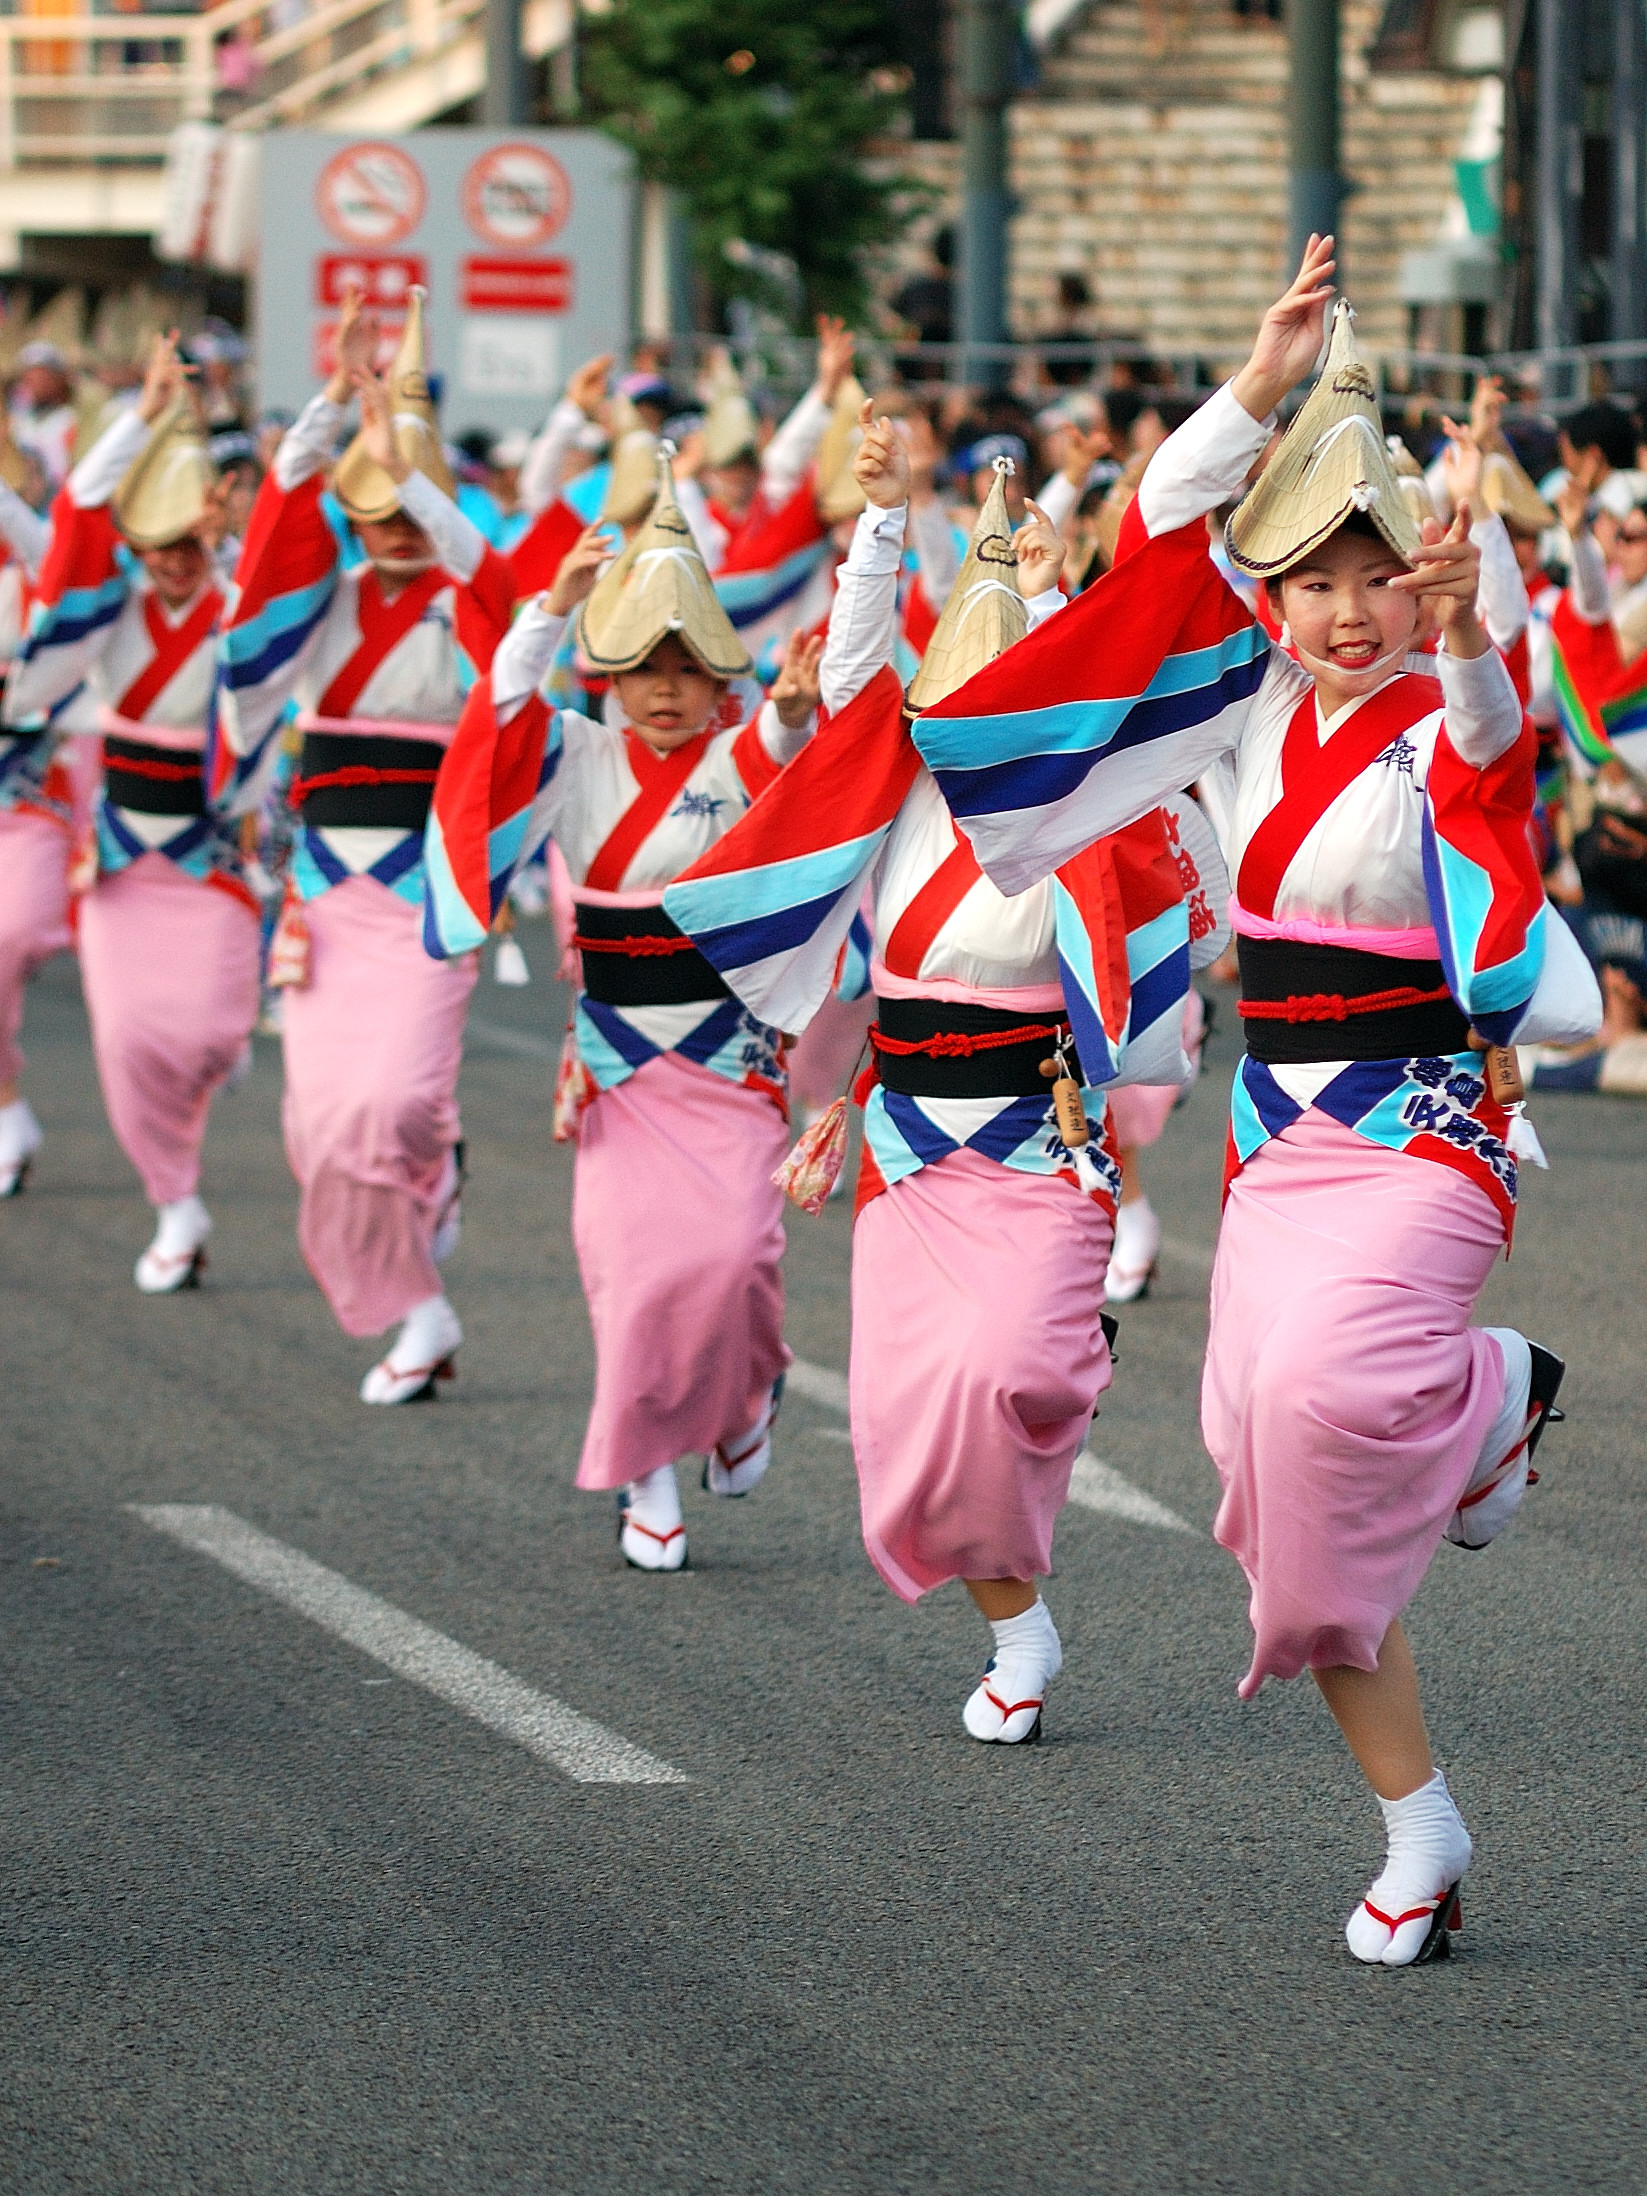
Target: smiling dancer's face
x=1341 y=609
x=179 y=570
x=670 y=698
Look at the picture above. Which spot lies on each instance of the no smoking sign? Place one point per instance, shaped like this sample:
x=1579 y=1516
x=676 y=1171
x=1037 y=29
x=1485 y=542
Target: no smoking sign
x=517 y=194
x=522 y=240
x=371 y=194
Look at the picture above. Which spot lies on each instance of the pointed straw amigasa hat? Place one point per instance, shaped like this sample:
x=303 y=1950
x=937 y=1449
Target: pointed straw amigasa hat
x=658 y=586
x=985 y=613
x=363 y=488
x=1332 y=463
x=633 y=480
x=1507 y=489
x=14 y=469
x=164 y=493
x=1409 y=478
x=838 y=493
x=730 y=428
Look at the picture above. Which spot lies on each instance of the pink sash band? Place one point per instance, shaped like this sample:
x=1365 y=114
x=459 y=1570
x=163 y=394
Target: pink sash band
x=187 y=740
x=1416 y=944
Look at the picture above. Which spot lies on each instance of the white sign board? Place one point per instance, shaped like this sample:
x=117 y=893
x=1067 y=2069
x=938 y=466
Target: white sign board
x=522 y=238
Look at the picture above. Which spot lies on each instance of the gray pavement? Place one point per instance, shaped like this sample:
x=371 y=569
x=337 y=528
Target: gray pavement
x=279 y=1919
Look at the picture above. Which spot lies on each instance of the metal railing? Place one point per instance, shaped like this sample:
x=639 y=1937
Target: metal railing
x=110 y=89
x=1434 y=380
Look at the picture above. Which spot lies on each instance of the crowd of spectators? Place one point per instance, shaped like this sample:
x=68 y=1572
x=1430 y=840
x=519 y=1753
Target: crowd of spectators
x=1078 y=450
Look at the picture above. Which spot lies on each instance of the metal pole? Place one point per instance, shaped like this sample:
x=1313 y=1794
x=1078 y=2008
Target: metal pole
x=1560 y=171
x=986 y=76
x=1629 y=320
x=504 y=103
x=1316 y=187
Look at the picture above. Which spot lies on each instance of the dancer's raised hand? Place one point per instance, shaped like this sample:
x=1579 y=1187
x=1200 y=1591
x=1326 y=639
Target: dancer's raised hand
x=795 y=692
x=881 y=467
x=1290 y=333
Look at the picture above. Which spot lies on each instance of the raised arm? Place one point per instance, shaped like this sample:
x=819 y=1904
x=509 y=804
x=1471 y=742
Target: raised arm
x=863 y=625
x=82 y=584
x=1502 y=597
x=26 y=532
x=1206 y=462
x=1587 y=584
x=288 y=567
x=786 y=457
x=545 y=467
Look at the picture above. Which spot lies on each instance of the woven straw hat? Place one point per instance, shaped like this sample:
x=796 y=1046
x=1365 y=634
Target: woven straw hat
x=1332 y=463
x=1507 y=489
x=660 y=585
x=14 y=470
x=163 y=496
x=729 y=425
x=1409 y=475
x=839 y=496
x=985 y=613
x=633 y=481
x=363 y=488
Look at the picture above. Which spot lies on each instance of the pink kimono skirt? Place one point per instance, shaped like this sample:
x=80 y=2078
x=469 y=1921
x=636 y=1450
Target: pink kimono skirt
x=977 y=1359
x=34 y=916
x=679 y=1235
x=170 y=965
x=374 y=1044
x=1346 y=1396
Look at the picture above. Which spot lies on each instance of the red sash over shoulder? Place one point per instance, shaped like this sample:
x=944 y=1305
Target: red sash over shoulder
x=383 y=626
x=173 y=645
x=660 y=777
x=1314 y=772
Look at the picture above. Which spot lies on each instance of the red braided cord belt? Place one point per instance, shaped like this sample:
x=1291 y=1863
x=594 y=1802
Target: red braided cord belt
x=356 y=774
x=635 y=949
x=953 y=1045
x=1332 y=1006
x=140 y=766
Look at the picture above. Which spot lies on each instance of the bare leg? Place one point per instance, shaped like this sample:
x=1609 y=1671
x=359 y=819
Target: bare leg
x=9 y=1093
x=1000 y=1598
x=1381 y=1717
x=1132 y=1182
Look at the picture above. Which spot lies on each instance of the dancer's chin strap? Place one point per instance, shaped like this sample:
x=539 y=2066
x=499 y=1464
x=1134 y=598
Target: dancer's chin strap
x=1372 y=670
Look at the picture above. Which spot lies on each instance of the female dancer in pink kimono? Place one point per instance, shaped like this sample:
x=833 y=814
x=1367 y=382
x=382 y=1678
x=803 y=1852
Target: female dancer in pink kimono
x=674 y=1093
x=1390 y=919
x=982 y=1235
x=169 y=945
x=378 y=658
x=38 y=816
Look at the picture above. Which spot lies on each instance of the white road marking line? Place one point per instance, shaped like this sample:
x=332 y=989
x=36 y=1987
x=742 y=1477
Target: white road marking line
x=523 y=1042
x=585 y=1750
x=818 y=1384
x=1099 y=1486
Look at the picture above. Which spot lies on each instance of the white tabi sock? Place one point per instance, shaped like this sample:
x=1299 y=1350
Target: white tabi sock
x=430 y=1335
x=175 y=1254
x=1028 y=1655
x=651 y=1534
x=1137 y=1246
x=735 y=1467
x=20 y=1138
x=1499 y=1479
x=1428 y=1851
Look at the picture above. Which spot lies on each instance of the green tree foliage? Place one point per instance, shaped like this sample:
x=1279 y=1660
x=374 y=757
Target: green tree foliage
x=758 y=112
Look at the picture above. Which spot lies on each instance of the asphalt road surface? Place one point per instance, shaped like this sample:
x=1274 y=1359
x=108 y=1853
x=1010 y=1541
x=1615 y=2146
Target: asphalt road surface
x=368 y=1827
